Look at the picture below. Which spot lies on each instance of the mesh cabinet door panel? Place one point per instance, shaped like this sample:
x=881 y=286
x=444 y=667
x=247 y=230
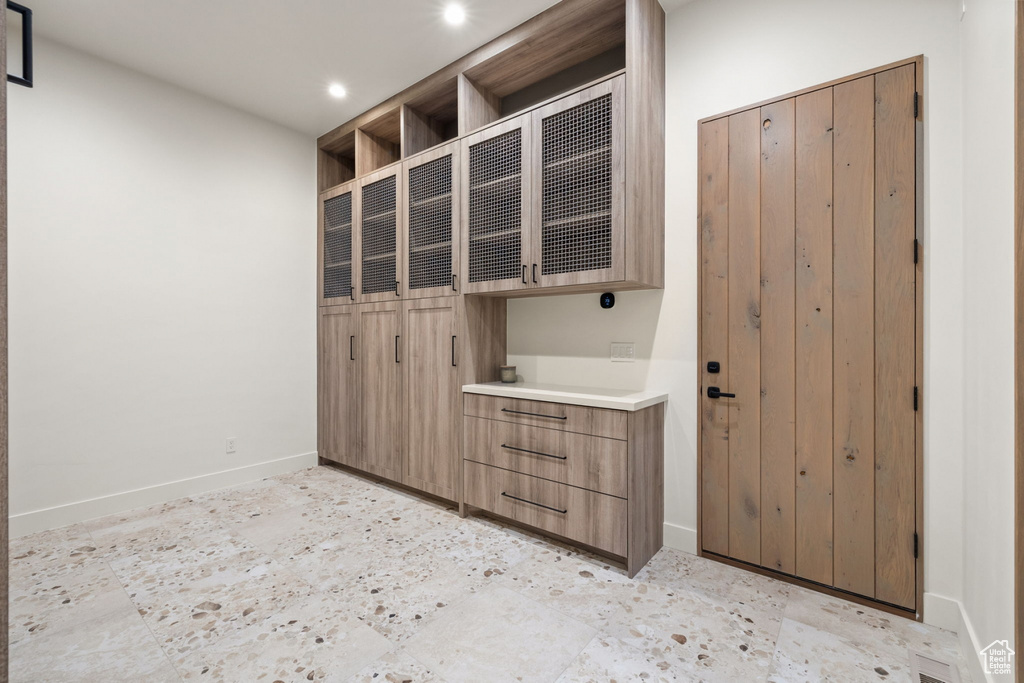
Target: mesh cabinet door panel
x=580 y=188
x=431 y=215
x=337 y=247
x=379 y=233
x=498 y=224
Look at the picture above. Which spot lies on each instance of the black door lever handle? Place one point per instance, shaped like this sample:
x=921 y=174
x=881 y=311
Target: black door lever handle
x=715 y=392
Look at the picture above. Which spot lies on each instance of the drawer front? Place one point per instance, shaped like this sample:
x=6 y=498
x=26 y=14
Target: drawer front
x=589 y=462
x=610 y=424
x=583 y=516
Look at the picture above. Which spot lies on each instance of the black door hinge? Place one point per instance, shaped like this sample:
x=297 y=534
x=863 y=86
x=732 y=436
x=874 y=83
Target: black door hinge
x=915 y=398
x=916 y=98
x=915 y=545
x=916 y=243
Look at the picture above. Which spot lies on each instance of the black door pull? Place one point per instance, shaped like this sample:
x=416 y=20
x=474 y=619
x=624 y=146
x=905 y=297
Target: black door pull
x=715 y=392
x=524 y=274
x=352 y=347
x=454 y=288
x=453 y=352
x=396 y=349
x=540 y=505
x=534 y=273
x=396 y=288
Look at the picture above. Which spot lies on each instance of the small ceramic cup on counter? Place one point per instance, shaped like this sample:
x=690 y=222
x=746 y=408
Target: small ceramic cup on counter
x=508 y=374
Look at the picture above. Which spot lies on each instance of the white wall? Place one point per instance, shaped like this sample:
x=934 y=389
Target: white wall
x=724 y=54
x=988 y=80
x=162 y=284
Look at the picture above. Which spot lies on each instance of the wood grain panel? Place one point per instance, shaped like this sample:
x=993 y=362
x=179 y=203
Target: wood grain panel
x=814 y=336
x=339 y=385
x=894 y=337
x=432 y=396
x=853 y=358
x=645 y=142
x=478 y=106
x=744 y=337
x=646 y=486
x=778 y=343
x=381 y=388
x=589 y=462
x=610 y=424
x=714 y=341
x=374 y=152
x=419 y=131
x=584 y=516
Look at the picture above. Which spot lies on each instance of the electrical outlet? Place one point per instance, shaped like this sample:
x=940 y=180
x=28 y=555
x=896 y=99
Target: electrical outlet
x=229 y=445
x=623 y=352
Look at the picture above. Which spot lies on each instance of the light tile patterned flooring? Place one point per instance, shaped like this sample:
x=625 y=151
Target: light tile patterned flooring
x=322 y=576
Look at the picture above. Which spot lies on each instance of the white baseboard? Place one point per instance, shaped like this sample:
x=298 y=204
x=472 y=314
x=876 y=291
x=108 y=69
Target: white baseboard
x=949 y=614
x=680 y=538
x=72 y=513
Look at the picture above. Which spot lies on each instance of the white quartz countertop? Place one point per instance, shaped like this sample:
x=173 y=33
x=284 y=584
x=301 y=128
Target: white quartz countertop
x=615 y=399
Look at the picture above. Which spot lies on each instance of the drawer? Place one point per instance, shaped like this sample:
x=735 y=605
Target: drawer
x=589 y=462
x=610 y=424
x=583 y=516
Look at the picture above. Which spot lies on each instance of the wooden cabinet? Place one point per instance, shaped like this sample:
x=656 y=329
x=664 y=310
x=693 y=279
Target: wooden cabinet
x=391 y=376
x=431 y=396
x=339 y=386
x=380 y=222
x=544 y=195
x=578 y=188
x=586 y=474
x=338 y=271
x=429 y=250
x=379 y=350
x=496 y=207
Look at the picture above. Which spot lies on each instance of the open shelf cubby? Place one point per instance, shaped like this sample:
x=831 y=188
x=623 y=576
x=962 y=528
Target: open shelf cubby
x=431 y=118
x=379 y=142
x=336 y=163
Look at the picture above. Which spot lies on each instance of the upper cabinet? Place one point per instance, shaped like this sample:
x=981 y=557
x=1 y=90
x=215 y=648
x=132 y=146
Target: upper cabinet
x=578 y=188
x=381 y=218
x=534 y=164
x=337 y=274
x=430 y=244
x=496 y=206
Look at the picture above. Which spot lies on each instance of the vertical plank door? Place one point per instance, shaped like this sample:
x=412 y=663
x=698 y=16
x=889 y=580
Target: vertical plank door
x=895 y=477
x=380 y=380
x=339 y=385
x=814 y=336
x=714 y=341
x=432 y=396
x=778 y=343
x=854 y=334
x=744 y=337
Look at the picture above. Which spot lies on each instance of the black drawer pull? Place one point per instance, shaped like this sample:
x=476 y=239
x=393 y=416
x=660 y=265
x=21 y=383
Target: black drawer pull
x=521 y=412
x=523 y=500
x=523 y=450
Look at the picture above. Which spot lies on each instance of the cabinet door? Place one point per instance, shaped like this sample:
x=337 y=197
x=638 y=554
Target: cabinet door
x=380 y=218
x=432 y=396
x=378 y=351
x=579 y=188
x=338 y=270
x=430 y=247
x=496 y=207
x=339 y=386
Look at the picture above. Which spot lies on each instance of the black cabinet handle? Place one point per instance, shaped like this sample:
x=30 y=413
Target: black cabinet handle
x=352 y=347
x=524 y=273
x=352 y=293
x=396 y=288
x=396 y=349
x=25 y=78
x=454 y=288
x=523 y=450
x=520 y=412
x=453 y=352
x=534 y=273
x=715 y=392
x=523 y=500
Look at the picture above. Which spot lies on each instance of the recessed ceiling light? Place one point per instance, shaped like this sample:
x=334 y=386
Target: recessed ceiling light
x=454 y=14
x=337 y=90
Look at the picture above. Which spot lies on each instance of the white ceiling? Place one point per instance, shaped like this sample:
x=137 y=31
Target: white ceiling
x=276 y=58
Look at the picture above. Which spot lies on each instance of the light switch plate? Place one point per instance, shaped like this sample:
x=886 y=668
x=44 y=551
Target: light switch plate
x=623 y=352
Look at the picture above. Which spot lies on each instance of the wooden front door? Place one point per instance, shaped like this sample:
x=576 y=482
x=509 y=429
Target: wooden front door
x=809 y=318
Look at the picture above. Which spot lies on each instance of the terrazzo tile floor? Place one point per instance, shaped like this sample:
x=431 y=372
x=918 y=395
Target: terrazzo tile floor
x=318 y=575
